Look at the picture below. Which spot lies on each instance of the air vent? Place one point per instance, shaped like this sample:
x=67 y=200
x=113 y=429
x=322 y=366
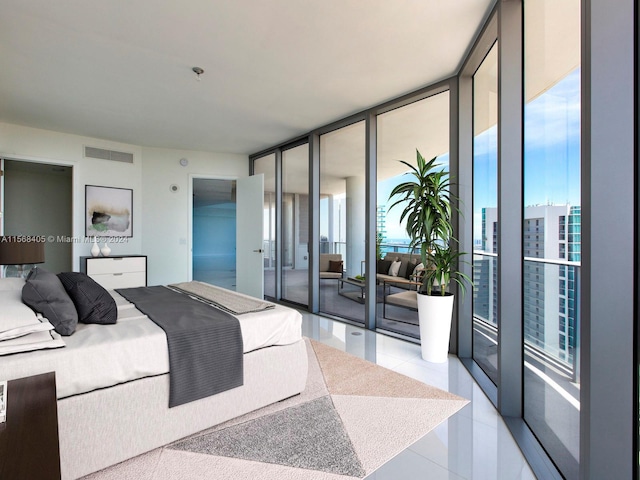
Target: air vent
x=102 y=154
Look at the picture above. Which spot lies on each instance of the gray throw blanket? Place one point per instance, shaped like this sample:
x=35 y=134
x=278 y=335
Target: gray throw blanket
x=205 y=344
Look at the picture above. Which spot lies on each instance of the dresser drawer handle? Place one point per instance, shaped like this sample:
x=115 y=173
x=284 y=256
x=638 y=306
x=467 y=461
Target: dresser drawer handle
x=117 y=274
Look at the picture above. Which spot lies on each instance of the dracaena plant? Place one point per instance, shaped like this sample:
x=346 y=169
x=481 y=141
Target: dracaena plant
x=441 y=270
x=427 y=207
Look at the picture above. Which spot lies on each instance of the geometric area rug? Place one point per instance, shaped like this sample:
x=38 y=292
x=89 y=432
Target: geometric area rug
x=352 y=417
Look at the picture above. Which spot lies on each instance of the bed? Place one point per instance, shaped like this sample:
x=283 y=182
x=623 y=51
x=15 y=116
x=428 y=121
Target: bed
x=113 y=381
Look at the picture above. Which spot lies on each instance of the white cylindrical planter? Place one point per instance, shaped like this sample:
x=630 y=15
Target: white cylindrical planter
x=434 y=315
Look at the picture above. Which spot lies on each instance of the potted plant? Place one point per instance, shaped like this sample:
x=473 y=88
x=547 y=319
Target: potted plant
x=428 y=204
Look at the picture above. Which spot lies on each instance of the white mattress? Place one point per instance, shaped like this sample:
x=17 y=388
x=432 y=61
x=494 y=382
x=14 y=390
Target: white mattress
x=99 y=356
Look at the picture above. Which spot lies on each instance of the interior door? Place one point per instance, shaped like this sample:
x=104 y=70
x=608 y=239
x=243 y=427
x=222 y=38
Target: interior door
x=249 y=249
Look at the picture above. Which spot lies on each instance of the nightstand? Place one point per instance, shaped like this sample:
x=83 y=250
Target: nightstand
x=122 y=271
x=29 y=438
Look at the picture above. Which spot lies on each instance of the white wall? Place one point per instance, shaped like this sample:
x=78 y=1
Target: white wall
x=160 y=217
x=166 y=213
x=24 y=143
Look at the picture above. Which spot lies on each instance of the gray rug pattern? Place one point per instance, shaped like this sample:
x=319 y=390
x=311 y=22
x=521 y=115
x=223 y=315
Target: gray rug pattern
x=309 y=436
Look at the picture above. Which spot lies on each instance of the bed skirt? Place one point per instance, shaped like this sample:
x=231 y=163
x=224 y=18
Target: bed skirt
x=105 y=427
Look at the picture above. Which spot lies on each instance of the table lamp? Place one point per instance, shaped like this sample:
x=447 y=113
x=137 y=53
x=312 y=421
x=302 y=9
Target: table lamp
x=21 y=254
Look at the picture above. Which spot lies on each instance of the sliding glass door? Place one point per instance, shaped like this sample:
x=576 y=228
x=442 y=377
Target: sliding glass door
x=342 y=222
x=295 y=224
x=552 y=228
x=485 y=214
x=420 y=126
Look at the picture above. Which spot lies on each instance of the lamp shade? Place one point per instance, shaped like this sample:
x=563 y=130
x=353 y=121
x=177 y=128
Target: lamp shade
x=13 y=252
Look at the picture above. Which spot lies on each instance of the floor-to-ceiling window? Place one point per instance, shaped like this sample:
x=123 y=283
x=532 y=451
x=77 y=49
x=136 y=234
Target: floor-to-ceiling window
x=295 y=224
x=420 y=126
x=267 y=166
x=342 y=221
x=551 y=228
x=485 y=214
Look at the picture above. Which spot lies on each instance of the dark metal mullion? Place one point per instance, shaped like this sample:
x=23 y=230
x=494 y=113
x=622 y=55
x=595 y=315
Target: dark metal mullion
x=482 y=45
x=636 y=358
x=454 y=169
x=371 y=179
x=342 y=123
x=510 y=209
x=278 y=199
x=413 y=97
x=465 y=181
x=287 y=145
x=314 y=223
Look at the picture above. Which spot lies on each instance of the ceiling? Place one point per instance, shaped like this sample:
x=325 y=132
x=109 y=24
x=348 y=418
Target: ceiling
x=121 y=70
x=421 y=125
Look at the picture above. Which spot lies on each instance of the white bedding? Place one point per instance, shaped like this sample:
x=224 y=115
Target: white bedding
x=99 y=356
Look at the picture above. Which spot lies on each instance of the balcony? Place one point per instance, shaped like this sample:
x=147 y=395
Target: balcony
x=551 y=329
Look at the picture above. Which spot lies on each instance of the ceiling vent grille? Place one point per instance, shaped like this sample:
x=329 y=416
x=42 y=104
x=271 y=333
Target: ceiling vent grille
x=102 y=154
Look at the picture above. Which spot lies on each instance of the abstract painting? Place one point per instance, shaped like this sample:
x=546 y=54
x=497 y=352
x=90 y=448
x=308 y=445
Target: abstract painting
x=109 y=211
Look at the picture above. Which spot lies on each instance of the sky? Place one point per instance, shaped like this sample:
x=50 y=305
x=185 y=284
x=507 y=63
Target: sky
x=551 y=152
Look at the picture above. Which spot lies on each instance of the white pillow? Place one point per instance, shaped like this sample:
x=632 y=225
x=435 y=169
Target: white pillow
x=21 y=330
x=395 y=268
x=16 y=318
x=418 y=268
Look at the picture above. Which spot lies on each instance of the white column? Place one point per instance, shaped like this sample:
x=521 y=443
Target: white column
x=330 y=235
x=356 y=212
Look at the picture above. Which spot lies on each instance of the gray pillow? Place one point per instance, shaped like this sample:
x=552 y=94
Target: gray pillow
x=383 y=266
x=44 y=292
x=410 y=267
x=402 y=273
x=92 y=301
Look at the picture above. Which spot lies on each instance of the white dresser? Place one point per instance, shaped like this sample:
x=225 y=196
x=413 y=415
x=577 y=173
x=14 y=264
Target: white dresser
x=116 y=272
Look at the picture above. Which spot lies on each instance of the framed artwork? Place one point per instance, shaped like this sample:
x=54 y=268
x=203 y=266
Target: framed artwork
x=108 y=211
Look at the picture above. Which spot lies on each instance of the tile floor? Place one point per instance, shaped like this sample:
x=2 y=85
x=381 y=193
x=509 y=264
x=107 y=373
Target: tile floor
x=472 y=444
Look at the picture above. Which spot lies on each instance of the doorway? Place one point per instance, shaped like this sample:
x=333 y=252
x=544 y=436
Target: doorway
x=214 y=231
x=38 y=201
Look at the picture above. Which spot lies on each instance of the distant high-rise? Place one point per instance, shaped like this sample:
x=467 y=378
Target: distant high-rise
x=381 y=220
x=550 y=232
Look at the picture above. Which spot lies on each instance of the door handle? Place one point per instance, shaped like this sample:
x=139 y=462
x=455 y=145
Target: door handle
x=259 y=250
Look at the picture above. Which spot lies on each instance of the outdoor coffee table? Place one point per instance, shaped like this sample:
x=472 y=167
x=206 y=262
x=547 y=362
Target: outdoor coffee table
x=356 y=296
